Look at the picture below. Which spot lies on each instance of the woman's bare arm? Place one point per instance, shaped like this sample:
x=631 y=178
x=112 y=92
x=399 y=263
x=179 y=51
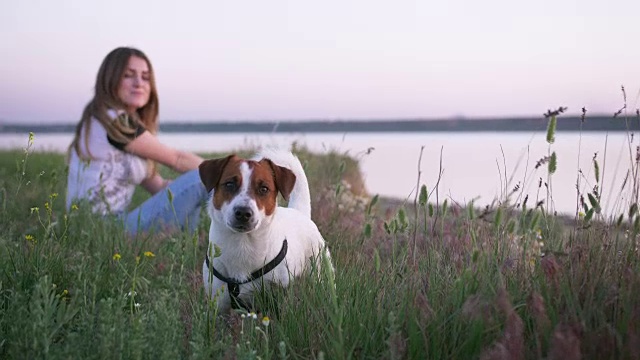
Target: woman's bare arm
x=148 y=146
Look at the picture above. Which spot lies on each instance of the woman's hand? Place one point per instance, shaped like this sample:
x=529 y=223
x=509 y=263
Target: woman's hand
x=148 y=146
x=155 y=183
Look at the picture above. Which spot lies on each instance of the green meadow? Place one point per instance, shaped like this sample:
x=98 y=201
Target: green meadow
x=419 y=279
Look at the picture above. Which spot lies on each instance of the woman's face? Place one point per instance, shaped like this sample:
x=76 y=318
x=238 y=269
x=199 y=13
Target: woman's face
x=135 y=84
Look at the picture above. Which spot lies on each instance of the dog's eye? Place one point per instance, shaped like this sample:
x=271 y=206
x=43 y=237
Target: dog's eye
x=263 y=190
x=230 y=186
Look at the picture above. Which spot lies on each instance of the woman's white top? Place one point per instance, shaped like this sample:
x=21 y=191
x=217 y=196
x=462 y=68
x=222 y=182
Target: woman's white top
x=109 y=179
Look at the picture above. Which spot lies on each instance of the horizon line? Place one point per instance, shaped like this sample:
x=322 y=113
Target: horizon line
x=5 y=122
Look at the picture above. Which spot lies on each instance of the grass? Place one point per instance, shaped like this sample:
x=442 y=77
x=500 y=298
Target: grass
x=427 y=280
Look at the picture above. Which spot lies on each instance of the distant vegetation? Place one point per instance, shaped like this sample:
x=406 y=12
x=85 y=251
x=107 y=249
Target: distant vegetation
x=527 y=124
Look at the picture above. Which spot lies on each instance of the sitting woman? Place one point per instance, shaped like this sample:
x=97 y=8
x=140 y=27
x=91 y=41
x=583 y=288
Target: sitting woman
x=116 y=148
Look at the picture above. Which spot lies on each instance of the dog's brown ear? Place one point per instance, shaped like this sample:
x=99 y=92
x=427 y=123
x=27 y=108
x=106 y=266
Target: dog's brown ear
x=284 y=179
x=211 y=171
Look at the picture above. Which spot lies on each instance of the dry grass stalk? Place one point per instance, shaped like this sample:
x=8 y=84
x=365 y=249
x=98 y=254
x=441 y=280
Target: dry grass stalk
x=536 y=303
x=551 y=268
x=511 y=344
x=421 y=303
x=633 y=337
x=542 y=322
x=397 y=346
x=565 y=343
x=474 y=308
x=396 y=341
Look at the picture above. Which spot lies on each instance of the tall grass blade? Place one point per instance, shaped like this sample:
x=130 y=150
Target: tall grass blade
x=588 y=215
x=551 y=130
x=594 y=203
x=367 y=230
x=497 y=220
x=372 y=203
x=596 y=169
x=424 y=196
x=553 y=163
x=633 y=210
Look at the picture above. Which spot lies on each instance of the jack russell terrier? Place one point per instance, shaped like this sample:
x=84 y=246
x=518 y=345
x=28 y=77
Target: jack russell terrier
x=255 y=241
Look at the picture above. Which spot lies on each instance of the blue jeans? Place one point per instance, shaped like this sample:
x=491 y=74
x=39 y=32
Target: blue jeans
x=160 y=213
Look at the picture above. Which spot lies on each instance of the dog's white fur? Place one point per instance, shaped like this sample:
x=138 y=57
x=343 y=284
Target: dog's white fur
x=241 y=253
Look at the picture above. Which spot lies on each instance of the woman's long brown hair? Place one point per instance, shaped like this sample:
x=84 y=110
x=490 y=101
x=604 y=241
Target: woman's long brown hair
x=106 y=97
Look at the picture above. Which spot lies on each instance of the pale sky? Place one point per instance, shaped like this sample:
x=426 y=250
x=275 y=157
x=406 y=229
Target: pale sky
x=329 y=59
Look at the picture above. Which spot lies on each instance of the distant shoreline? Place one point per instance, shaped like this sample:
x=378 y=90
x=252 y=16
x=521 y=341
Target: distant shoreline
x=564 y=123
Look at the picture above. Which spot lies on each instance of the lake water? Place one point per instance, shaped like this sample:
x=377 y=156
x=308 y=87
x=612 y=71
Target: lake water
x=477 y=167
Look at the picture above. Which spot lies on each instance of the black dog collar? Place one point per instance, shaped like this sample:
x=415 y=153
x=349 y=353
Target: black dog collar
x=234 y=285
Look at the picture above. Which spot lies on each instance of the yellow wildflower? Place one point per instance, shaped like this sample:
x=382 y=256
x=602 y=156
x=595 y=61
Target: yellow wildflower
x=74 y=207
x=149 y=254
x=30 y=237
x=116 y=256
x=265 y=321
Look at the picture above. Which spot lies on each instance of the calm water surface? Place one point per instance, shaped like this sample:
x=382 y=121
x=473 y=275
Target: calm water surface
x=477 y=167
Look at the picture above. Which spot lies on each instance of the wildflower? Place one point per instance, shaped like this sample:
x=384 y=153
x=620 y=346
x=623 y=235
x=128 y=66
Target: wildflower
x=30 y=237
x=53 y=195
x=35 y=209
x=136 y=305
x=581 y=214
x=253 y=315
x=74 y=207
x=149 y=254
x=116 y=256
x=137 y=260
x=265 y=321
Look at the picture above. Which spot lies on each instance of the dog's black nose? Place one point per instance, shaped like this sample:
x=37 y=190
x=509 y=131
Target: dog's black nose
x=243 y=213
